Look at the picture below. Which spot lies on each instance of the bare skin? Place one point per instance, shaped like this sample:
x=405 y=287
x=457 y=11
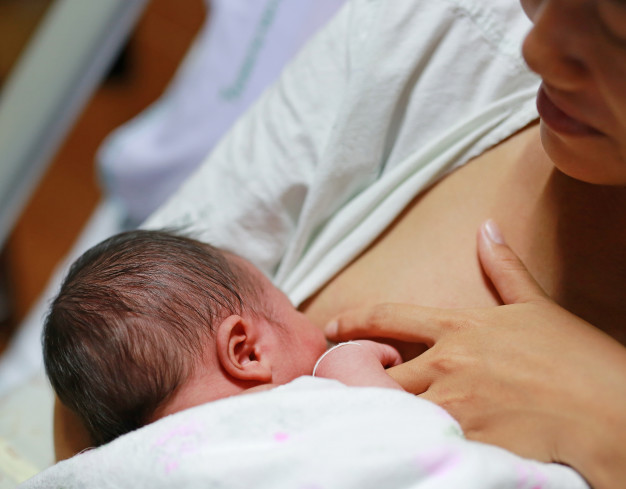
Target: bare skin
x=428 y=255
x=571 y=236
x=524 y=376
x=440 y=270
x=70 y=436
x=531 y=377
x=559 y=227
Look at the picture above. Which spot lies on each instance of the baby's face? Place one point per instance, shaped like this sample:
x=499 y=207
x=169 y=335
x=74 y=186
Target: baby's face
x=298 y=343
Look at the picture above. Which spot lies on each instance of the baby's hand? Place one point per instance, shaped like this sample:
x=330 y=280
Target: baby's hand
x=360 y=363
x=387 y=355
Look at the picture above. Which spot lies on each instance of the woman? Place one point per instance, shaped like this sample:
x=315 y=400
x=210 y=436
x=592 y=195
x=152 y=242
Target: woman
x=530 y=376
x=418 y=91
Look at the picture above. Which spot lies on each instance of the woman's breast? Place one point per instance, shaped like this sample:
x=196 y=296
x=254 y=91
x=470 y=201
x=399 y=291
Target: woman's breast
x=428 y=255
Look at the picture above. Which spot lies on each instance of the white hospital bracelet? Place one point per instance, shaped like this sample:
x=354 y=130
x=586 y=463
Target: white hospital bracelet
x=333 y=348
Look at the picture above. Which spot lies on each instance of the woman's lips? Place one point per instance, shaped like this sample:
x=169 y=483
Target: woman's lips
x=558 y=120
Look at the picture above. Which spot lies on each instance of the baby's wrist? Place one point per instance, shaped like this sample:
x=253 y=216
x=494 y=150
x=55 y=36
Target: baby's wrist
x=328 y=352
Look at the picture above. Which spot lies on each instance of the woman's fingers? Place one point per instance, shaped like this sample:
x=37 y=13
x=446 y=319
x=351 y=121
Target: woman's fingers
x=403 y=322
x=506 y=271
x=412 y=376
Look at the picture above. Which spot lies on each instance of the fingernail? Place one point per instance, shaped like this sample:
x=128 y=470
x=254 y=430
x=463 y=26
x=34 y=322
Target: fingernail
x=331 y=328
x=493 y=231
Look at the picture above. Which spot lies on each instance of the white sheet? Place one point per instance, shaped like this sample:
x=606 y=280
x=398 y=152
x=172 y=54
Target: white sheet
x=310 y=434
x=387 y=99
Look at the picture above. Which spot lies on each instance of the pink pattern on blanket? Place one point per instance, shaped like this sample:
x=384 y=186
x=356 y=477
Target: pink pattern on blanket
x=530 y=477
x=175 y=443
x=281 y=436
x=439 y=460
x=184 y=430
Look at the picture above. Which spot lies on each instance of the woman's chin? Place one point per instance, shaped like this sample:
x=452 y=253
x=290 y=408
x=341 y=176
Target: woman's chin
x=591 y=160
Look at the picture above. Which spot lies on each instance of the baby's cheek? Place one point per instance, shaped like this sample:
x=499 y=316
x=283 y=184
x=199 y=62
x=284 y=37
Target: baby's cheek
x=321 y=345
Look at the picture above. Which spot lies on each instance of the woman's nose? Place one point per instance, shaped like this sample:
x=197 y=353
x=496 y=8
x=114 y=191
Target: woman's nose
x=556 y=46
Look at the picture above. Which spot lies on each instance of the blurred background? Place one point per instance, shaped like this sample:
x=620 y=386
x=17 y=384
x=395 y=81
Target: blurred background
x=68 y=192
x=106 y=107
x=51 y=211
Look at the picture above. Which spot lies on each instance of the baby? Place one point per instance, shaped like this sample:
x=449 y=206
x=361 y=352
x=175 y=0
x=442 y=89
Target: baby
x=149 y=323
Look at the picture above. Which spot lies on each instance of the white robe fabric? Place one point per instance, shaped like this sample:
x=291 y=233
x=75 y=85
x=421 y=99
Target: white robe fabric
x=240 y=50
x=387 y=99
x=310 y=434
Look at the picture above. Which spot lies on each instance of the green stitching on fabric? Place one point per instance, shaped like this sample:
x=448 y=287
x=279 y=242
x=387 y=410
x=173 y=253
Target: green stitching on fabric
x=235 y=90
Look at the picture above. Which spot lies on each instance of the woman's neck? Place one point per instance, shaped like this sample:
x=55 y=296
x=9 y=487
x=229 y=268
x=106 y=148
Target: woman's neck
x=578 y=231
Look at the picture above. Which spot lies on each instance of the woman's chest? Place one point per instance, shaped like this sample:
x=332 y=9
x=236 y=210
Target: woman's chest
x=427 y=256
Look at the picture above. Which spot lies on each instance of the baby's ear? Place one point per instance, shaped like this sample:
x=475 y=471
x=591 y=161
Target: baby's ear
x=237 y=342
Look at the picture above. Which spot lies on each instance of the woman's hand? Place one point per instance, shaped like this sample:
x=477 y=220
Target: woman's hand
x=528 y=376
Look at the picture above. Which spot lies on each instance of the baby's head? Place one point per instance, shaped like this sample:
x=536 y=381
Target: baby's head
x=148 y=323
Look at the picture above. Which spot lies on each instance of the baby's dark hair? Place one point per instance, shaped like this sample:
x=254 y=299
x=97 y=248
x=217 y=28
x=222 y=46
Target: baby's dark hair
x=130 y=323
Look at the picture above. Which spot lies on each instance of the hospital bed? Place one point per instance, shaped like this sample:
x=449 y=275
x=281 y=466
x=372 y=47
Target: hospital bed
x=54 y=78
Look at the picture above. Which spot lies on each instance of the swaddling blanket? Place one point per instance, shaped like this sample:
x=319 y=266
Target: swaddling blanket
x=310 y=434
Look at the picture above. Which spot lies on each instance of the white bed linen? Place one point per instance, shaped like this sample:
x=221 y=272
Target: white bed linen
x=310 y=434
x=387 y=99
